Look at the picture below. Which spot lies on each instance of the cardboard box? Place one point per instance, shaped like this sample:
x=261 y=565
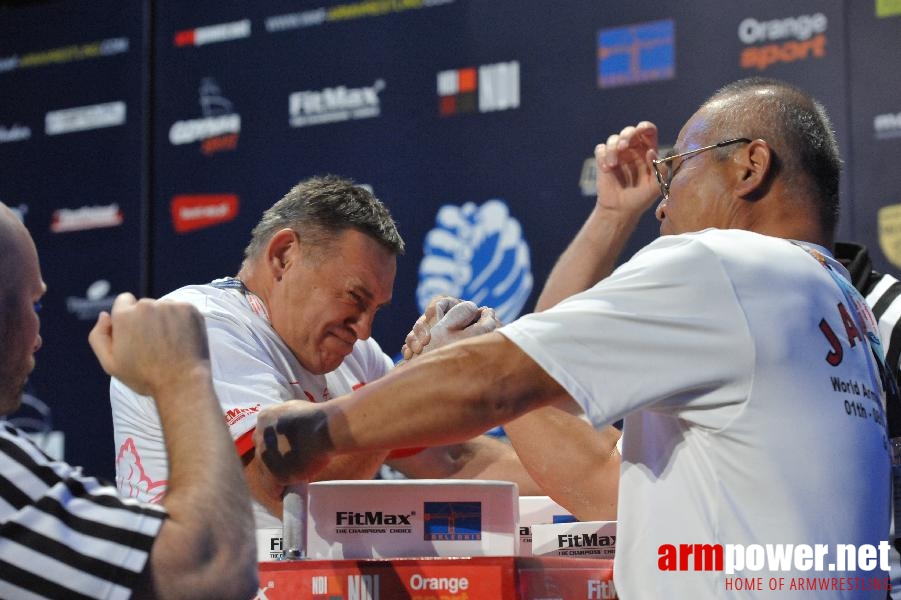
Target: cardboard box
x=585 y=539
x=411 y=518
x=534 y=510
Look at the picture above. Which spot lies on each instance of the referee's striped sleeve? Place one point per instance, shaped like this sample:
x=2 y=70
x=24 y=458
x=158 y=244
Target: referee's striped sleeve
x=885 y=299
x=63 y=534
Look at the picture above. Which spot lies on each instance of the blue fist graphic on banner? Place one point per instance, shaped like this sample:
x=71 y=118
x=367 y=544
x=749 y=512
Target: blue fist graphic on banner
x=479 y=254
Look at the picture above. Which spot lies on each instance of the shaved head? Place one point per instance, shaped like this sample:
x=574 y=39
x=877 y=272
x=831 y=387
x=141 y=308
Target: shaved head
x=11 y=240
x=21 y=287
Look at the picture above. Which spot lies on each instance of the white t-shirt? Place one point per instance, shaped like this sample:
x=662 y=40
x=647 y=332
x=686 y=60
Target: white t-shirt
x=252 y=369
x=738 y=429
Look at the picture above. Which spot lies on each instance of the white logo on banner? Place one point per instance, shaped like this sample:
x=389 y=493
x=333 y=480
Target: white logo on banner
x=16 y=133
x=86 y=217
x=218 y=119
x=803 y=27
x=97 y=298
x=20 y=211
x=479 y=254
x=499 y=86
x=83 y=118
x=334 y=104
x=887 y=126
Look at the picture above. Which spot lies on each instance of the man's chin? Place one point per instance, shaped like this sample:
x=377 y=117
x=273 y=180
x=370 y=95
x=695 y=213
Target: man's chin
x=331 y=362
x=325 y=362
x=10 y=402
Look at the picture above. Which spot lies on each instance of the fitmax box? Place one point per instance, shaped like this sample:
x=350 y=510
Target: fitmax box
x=538 y=510
x=583 y=539
x=411 y=518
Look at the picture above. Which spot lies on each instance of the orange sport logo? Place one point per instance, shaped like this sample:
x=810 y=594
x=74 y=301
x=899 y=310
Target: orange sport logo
x=782 y=40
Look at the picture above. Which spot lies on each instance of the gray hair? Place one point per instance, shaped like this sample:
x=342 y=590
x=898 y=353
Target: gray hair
x=796 y=127
x=320 y=207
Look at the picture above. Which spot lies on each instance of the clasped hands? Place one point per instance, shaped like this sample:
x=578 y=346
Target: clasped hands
x=292 y=439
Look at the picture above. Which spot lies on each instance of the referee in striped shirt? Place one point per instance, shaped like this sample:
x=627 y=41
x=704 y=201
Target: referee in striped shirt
x=64 y=534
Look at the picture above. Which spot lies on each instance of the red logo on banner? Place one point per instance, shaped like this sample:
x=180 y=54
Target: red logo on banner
x=457 y=91
x=197 y=211
x=184 y=38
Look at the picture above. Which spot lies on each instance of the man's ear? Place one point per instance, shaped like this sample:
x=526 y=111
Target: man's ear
x=756 y=169
x=281 y=251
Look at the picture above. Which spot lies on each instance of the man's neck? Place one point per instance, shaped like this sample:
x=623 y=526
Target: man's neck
x=254 y=284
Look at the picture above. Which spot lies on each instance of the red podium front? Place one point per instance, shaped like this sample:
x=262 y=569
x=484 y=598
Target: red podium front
x=489 y=578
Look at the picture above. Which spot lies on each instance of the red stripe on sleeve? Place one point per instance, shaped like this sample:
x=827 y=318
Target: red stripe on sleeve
x=244 y=444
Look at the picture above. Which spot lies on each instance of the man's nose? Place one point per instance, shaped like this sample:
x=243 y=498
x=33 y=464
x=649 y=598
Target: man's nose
x=660 y=211
x=362 y=325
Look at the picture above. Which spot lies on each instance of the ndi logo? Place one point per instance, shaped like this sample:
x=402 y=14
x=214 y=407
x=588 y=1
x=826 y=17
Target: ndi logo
x=456 y=521
x=479 y=254
x=488 y=88
x=636 y=53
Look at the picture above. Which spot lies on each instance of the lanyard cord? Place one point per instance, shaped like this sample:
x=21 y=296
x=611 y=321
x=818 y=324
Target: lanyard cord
x=256 y=304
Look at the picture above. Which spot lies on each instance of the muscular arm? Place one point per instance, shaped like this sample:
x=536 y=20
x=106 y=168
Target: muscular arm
x=471 y=386
x=578 y=468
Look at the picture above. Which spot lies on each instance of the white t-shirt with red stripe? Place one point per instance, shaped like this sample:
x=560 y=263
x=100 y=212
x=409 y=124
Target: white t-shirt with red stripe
x=252 y=369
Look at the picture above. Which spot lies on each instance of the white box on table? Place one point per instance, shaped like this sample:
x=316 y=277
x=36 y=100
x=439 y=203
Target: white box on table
x=538 y=510
x=411 y=518
x=582 y=539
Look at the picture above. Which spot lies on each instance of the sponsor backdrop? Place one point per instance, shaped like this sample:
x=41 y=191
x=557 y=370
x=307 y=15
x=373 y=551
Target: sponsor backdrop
x=474 y=121
x=73 y=165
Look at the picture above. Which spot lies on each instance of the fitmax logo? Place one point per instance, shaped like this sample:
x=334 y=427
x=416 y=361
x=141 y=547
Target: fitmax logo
x=585 y=540
x=335 y=104
x=371 y=518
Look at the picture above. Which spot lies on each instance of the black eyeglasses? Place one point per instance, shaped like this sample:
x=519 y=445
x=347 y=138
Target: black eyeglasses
x=667 y=163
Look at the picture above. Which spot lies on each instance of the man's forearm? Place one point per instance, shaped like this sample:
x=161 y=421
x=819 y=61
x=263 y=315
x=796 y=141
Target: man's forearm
x=209 y=534
x=587 y=482
x=450 y=395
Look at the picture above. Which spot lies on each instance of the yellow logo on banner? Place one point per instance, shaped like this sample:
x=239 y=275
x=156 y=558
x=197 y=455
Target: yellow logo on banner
x=889 y=219
x=888 y=8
